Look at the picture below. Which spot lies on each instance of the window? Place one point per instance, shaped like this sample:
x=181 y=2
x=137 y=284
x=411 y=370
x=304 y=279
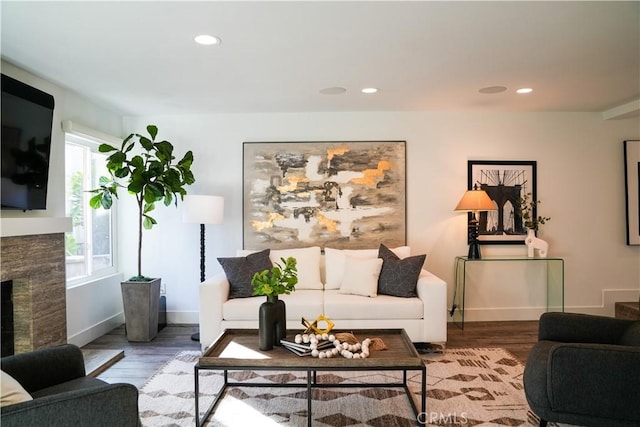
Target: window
x=90 y=245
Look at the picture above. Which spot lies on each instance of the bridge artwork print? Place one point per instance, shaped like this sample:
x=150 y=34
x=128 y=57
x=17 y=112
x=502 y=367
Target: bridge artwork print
x=327 y=194
x=506 y=182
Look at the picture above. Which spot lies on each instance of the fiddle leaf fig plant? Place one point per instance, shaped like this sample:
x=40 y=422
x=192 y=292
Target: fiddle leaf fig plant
x=147 y=169
x=281 y=279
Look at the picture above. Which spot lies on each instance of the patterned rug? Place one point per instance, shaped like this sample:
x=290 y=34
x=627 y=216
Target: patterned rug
x=479 y=386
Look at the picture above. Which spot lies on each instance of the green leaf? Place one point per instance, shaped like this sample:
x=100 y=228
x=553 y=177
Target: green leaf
x=137 y=162
x=106 y=200
x=146 y=143
x=187 y=160
x=156 y=189
x=153 y=131
x=105 y=148
x=122 y=172
x=96 y=201
x=104 y=181
x=148 y=207
x=148 y=222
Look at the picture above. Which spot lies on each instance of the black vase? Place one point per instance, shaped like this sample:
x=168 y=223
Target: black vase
x=272 y=323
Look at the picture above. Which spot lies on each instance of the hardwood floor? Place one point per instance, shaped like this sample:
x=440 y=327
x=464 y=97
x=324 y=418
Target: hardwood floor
x=141 y=360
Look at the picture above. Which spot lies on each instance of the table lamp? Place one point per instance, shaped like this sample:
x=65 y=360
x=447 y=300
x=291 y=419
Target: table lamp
x=201 y=209
x=475 y=201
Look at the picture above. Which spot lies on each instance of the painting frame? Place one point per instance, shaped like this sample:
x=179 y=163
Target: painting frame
x=632 y=190
x=505 y=181
x=337 y=194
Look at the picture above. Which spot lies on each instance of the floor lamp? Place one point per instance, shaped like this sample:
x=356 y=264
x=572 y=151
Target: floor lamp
x=200 y=209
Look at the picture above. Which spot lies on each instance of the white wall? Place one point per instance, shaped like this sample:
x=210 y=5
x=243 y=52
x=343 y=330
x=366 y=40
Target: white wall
x=95 y=308
x=580 y=182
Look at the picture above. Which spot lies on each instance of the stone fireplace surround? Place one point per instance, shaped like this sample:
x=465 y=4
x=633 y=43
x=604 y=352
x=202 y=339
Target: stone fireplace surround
x=36 y=265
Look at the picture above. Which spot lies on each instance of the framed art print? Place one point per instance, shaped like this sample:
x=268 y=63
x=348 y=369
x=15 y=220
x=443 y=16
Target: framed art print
x=336 y=194
x=632 y=190
x=506 y=182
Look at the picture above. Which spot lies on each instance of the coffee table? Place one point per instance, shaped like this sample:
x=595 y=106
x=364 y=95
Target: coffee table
x=237 y=350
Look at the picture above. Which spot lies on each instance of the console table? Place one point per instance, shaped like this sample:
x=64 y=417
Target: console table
x=554 y=281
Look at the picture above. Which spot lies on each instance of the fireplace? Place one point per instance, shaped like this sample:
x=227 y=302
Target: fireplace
x=35 y=265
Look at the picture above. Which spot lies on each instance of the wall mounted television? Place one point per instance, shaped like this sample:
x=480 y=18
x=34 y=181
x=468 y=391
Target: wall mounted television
x=27 y=119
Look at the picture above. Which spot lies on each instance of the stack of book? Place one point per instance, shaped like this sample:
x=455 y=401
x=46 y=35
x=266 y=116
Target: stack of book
x=303 y=349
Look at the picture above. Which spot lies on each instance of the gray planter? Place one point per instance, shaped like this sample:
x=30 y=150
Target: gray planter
x=141 y=302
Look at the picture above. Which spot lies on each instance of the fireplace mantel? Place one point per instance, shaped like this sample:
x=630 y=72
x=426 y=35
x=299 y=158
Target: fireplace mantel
x=30 y=226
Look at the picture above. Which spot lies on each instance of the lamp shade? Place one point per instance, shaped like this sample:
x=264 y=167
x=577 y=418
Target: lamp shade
x=475 y=201
x=202 y=209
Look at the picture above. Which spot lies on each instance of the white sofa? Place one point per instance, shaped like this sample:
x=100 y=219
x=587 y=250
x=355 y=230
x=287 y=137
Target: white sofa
x=424 y=317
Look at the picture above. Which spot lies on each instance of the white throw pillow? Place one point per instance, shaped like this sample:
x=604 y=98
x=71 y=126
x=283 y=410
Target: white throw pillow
x=361 y=276
x=307 y=264
x=12 y=392
x=335 y=262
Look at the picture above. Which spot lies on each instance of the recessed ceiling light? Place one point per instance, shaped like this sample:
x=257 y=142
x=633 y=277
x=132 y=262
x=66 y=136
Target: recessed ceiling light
x=206 y=39
x=492 y=89
x=369 y=90
x=335 y=90
x=524 y=90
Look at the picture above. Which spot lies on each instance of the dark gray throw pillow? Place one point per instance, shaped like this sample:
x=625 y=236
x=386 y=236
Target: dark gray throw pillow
x=240 y=271
x=399 y=277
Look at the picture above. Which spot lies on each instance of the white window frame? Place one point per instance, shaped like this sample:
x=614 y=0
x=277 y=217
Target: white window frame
x=81 y=135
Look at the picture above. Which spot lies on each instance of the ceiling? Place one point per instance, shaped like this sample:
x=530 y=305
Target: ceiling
x=139 y=58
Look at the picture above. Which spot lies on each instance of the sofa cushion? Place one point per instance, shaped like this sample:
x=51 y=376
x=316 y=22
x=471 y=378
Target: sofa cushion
x=307 y=264
x=240 y=271
x=361 y=276
x=300 y=303
x=12 y=392
x=335 y=262
x=399 y=276
x=74 y=384
x=356 y=307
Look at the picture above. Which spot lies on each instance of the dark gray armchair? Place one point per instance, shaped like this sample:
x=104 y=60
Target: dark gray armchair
x=63 y=395
x=585 y=370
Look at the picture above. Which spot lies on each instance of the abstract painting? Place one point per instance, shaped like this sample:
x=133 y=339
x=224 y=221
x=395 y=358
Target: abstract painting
x=328 y=194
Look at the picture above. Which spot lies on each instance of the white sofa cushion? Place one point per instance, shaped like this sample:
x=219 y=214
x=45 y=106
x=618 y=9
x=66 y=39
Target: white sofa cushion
x=335 y=262
x=361 y=276
x=300 y=303
x=307 y=264
x=356 y=307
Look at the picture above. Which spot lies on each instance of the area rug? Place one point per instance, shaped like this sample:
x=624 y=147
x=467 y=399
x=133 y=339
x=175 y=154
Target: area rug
x=475 y=386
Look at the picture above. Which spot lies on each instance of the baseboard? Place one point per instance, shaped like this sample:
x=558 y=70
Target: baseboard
x=183 y=318
x=605 y=308
x=96 y=331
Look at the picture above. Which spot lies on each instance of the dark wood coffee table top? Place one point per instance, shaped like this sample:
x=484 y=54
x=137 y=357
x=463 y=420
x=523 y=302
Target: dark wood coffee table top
x=238 y=349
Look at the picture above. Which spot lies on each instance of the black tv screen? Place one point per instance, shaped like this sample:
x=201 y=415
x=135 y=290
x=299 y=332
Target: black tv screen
x=27 y=118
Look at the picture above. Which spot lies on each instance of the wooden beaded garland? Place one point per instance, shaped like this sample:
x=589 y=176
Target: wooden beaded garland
x=346 y=350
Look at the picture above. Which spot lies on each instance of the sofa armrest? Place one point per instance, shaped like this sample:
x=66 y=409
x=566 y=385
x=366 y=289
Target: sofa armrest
x=106 y=405
x=594 y=379
x=432 y=291
x=45 y=367
x=213 y=294
x=581 y=328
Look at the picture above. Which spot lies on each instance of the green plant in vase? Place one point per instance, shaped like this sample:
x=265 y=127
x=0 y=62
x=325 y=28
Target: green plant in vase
x=272 y=317
x=527 y=212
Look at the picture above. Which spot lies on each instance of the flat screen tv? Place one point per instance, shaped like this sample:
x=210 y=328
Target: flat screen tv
x=27 y=118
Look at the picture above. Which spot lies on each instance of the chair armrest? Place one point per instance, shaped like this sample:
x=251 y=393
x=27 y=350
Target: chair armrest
x=213 y=294
x=432 y=291
x=107 y=405
x=594 y=379
x=581 y=328
x=45 y=367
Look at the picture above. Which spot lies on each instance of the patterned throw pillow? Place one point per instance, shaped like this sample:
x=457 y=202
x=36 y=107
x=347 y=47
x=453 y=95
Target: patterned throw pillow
x=399 y=276
x=240 y=271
